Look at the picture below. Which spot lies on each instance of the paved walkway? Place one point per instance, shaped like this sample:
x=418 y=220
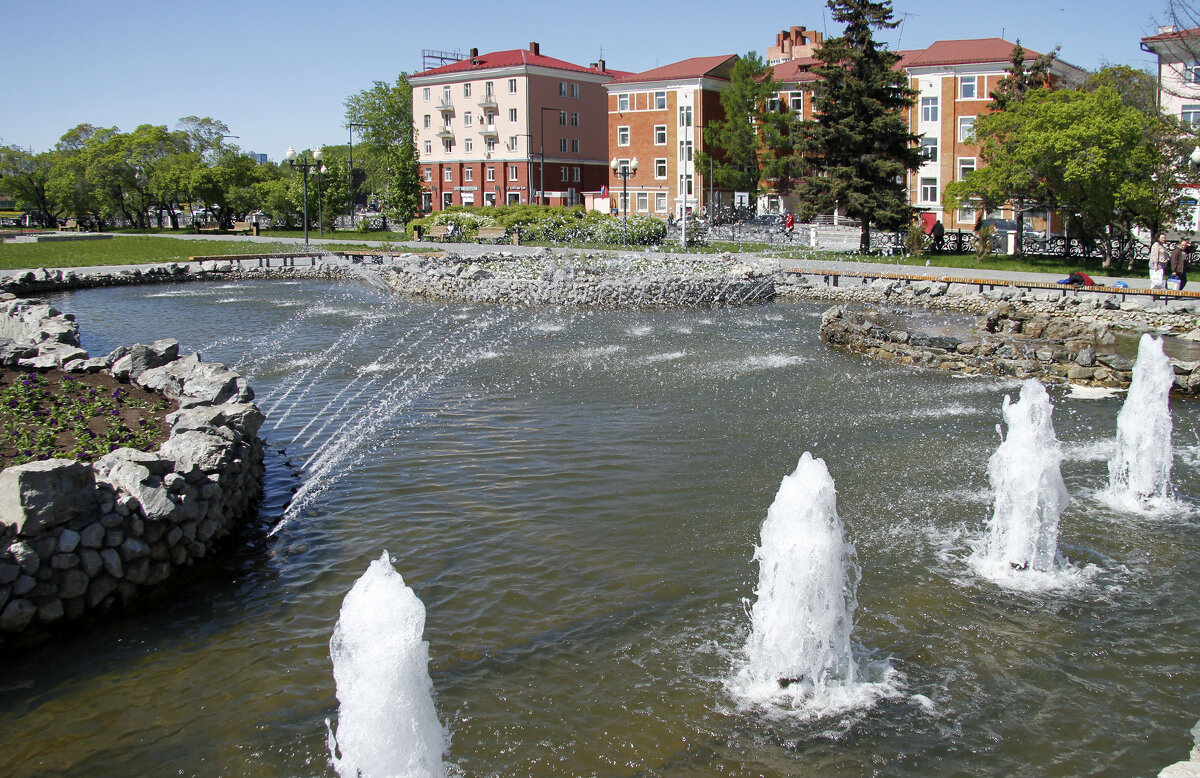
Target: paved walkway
x=762 y=260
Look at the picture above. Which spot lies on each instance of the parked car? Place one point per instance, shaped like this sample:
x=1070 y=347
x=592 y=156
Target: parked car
x=1006 y=226
x=765 y=220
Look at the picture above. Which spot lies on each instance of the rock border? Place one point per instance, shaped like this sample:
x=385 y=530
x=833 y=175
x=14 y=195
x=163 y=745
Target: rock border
x=77 y=539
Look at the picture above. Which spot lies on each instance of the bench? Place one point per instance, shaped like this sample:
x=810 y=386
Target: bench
x=438 y=232
x=492 y=234
x=242 y=227
x=71 y=224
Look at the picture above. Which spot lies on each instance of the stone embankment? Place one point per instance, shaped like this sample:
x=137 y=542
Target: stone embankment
x=605 y=281
x=1005 y=342
x=77 y=538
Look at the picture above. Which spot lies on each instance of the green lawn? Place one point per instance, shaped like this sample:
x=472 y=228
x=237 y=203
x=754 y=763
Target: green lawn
x=127 y=250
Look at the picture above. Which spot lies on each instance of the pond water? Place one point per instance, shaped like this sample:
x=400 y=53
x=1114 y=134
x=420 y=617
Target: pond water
x=576 y=497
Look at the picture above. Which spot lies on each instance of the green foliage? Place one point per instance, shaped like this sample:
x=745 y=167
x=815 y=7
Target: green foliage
x=1020 y=79
x=389 y=154
x=916 y=240
x=735 y=143
x=983 y=248
x=1137 y=88
x=551 y=224
x=69 y=417
x=859 y=148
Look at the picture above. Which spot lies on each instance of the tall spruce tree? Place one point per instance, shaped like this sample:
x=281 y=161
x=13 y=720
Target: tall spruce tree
x=859 y=147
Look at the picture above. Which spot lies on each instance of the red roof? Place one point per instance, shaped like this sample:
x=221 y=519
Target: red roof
x=1163 y=37
x=966 y=52
x=696 y=67
x=513 y=58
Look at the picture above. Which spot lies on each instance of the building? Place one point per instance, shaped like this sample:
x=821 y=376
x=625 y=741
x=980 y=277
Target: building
x=511 y=126
x=1178 y=53
x=658 y=117
x=794 y=43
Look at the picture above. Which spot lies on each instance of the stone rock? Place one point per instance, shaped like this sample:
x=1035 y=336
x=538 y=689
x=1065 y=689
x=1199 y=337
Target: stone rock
x=1086 y=357
x=17 y=615
x=128 y=472
x=50 y=611
x=90 y=562
x=68 y=540
x=112 y=563
x=39 y=495
x=74 y=584
x=195 y=449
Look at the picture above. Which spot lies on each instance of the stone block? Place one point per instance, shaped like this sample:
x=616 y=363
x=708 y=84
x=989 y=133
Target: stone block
x=112 y=563
x=99 y=590
x=25 y=557
x=138 y=571
x=64 y=561
x=50 y=610
x=17 y=615
x=68 y=540
x=39 y=495
x=90 y=562
x=133 y=548
x=74 y=584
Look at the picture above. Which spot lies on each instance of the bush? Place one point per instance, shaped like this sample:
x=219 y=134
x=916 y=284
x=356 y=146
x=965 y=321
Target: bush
x=552 y=224
x=983 y=248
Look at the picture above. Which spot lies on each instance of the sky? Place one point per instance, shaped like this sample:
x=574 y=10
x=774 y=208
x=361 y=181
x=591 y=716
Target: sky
x=278 y=73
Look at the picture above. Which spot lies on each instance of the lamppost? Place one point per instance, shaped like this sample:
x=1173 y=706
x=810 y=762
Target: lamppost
x=304 y=164
x=624 y=172
x=542 y=199
x=320 y=203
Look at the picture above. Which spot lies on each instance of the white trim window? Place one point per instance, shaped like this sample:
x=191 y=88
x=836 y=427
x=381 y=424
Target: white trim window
x=929 y=109
x=623 y=135
x=512 y=114
x=966 y=214
x=1190 y=115
x=796 y=101
x=660 y=202
x=562 y=118
x=562 y=145
x=574 y=90
x=622 y=103
x=574 y=118
x=574 y=145
x=467 y=89
x=660 y=168
x=564 y=174
x=468 y=174
x=968 y=88
x=425 y=94
x=448 y=174
x=575 y=172
x=512 y=86
x=1191 y=72
x=513 y=173
x=466 y=118
x=468 y=145
x=929 y=190
x=643 y=202
x=447 y=145
x=966 y=166
x=562 y=88
x=428 y=121
x=929 y=148
x=660 y=135
x=660 y=101
x=428 y=174
x=490 y=173
x=428 y=147
x=966 y=129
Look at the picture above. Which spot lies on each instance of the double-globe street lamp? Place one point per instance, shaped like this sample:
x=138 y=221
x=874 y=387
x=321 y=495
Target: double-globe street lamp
x=305 y=164
x=624 y=171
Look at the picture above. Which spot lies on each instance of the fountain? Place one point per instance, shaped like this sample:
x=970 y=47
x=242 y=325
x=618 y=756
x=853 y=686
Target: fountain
x=387 y=725
x=1028 y=492
x=799 y=653
x=1139 y=471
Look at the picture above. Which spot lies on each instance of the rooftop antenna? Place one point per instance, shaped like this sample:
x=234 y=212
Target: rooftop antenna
x=903 y=20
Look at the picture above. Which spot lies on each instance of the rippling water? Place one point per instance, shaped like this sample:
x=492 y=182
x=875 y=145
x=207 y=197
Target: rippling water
x=576 y=496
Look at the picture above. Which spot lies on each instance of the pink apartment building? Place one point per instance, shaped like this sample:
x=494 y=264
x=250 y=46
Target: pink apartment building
x=511 y=126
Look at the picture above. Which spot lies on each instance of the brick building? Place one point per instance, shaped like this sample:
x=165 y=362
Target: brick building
x=658 y=118
x=511 y=126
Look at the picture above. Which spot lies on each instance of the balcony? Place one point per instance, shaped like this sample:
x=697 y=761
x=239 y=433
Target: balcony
x=489 y=131
x=488 y=102
x=445 y=133
x=446 y=105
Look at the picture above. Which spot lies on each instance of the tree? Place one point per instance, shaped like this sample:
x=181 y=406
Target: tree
x=734 y=140
x=1109 y=165
x=1136 y=88
x=384 y=113
x=859 y=149
x=27 y=178
x=1020 y=79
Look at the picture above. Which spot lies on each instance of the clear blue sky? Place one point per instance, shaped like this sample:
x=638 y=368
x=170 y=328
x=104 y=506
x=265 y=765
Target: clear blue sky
x=277 y=73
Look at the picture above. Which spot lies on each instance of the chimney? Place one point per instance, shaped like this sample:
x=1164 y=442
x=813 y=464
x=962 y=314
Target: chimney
x=474 y=53
x=534 y=48
x=601 y=66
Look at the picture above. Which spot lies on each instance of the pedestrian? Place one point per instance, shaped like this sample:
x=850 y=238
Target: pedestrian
x=789 y=223
x=939 y=235
x=1178 y=264
x=1158 y=262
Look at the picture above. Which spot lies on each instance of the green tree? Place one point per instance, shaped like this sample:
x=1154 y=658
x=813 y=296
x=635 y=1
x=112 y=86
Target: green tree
x=27 y=178
x=734 y=139
x=68 y=182
x=858 y=148
x=385 y=114
x=1020 y=78
x=1137 y=88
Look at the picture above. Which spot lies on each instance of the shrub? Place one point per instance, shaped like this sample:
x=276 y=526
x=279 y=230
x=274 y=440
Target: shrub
x=983 y=248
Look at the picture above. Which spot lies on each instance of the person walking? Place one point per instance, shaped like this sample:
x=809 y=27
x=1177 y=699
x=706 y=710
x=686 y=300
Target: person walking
x=1178 y=263
x=939 y=235
x=1158 y=262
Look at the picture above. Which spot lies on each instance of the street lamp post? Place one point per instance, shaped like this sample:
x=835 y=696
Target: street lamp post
x=320 y=203
x=542 y=199
x=304 y=164
x=624 y=172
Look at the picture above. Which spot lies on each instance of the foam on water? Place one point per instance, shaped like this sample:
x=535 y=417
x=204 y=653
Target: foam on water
x=387 y=724
x=1139 y=472
x=798 y=658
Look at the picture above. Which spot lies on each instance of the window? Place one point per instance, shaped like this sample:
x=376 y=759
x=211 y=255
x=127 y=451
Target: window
x=574 y=145
x=467 y=118
x=428 y=174
x=1190 y=114
x=490 y=145
x=622 y=103
x=448 y=174
x=468 y=144
x=929 y=190
x=929 y=148
x=562 y=118
x=968 y=87
x=447 y=145
x=966 y=214
x=491 y=120
x=575 y=174
x=965 y=165
x=489 y=89
x=446 y=121
x=797 y=102
x=660 y=202
x=564 y=174
x=660 y=101
x=660 y=168
x=929 y=109
x=643 y=202
x=660 y=135
x=446 y=94
x=622 y=136
x=512 y=86
x=622 y=167
x=490 y=173
x=562 y=88
x=685 y=116
x=512 y=142
x=1191 y=72
x=512 y=114
x=574 y=90
x=562 y=145
x=685 y=151
x=574 y=119
x=428 y=147
x=467 y=89
x=468 y=174
x=427 y=121
x=966 y=128
x=773 y=104
x=425 y=94
x=513 y=172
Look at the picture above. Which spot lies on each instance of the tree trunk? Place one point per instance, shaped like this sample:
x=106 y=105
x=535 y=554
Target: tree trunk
x=864 y=240
x=1019 y=244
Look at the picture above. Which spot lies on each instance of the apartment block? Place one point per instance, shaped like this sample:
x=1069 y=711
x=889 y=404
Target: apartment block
x=1178 y=53
x=511 y=126
x=658 y=118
